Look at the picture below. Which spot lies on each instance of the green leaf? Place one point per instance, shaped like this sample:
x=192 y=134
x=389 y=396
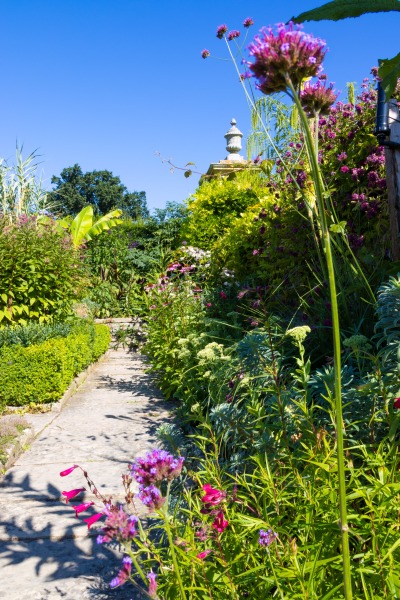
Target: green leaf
x=81 y=225
x=4 y=298
x=343 y=9
x=389 y=72
x=338 y=227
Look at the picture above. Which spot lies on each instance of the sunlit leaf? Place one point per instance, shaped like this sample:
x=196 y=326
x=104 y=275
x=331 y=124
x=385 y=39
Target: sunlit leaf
x=343 y=9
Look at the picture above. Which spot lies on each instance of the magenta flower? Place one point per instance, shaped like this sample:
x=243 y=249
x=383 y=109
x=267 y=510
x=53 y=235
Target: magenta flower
x=82 y=507
x=290 y=53
x=152 y=591
x=342 y=156
x=204 y=554
x=317 y=98
x=248 y=22
x=223 y=295
x=220 y=523
x=212 y=496
x=123 y=574
x=205 y=54
x=396 y=403
x=267 y=537
x=93 y=519
x=233 y=34
x=72 y=493
x=221 y=30
x=68 y=471
x=344 y=169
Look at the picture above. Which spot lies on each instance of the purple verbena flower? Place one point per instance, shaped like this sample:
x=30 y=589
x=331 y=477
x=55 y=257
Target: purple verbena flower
x=288 y=54
x=123 y=574
x=119 y=525
x=233 y=34
x=221 y=30
x=267 y=537
x=152 y=591
x=248 y=22
x=151 y=497
x=205 y=53
x=316 y=98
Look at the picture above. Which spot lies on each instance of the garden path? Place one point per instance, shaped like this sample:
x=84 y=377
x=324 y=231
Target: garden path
x=45 y=552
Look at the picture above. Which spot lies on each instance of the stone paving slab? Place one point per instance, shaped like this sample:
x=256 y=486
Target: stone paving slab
x=45 y=552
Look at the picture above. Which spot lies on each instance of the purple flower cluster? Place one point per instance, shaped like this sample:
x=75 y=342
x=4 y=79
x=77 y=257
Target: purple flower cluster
x=152 y=469
x=267 y=537
x=123 y=574
x=156 y=466
x=317 y=98
x=118 y=526
x=288 y=54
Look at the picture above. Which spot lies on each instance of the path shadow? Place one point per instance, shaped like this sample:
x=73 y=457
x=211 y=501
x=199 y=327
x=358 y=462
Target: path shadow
x=60 y=548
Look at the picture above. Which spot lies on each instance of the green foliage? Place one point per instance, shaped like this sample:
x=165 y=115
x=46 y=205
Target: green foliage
x=343 y=9
x=74 y=190
x=216 y=204
x=42 y=372
x=120 y=261
x=33 y=333
x=21 y=192
x=84 y=227
x=41 y=272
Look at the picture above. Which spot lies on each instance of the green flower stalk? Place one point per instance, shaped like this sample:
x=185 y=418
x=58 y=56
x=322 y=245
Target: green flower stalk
x=282 y=62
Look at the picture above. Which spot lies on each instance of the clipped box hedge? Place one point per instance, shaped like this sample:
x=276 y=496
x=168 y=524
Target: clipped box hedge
x=42 y=372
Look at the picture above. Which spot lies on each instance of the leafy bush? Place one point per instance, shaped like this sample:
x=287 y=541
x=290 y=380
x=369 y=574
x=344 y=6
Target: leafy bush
x=41 y=373
x=217 y=203
x=41 y=273
x=34 y=333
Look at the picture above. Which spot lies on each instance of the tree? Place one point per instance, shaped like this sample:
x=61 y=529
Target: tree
x=101 y=189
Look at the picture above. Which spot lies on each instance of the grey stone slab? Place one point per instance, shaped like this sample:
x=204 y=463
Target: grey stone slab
x=45 y=551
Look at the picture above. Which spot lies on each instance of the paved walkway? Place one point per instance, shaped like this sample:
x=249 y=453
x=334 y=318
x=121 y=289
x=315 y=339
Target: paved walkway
x=45 y=552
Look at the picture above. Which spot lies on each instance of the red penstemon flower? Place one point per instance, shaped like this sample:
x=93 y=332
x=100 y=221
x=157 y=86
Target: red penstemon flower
x=396 y=403
x=220 y=523
x=212 y=496
x=72 y=493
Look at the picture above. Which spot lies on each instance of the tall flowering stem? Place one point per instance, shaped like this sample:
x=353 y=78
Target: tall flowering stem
x=327 y=246
x=171 y=543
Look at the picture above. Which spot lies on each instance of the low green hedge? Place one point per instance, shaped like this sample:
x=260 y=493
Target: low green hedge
x=42 y=372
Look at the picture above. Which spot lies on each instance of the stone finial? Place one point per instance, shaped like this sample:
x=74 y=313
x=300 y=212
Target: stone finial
x=234 y=143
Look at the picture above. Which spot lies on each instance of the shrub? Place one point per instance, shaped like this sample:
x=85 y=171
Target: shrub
x=41 y=373
x=41 y=273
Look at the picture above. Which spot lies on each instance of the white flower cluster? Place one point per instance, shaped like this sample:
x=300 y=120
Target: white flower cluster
x=195 y=253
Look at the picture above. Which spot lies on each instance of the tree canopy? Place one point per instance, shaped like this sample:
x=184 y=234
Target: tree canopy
x=75 y=189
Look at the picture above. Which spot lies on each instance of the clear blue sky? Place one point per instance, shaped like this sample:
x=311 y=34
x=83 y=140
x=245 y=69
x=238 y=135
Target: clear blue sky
x=108 y=83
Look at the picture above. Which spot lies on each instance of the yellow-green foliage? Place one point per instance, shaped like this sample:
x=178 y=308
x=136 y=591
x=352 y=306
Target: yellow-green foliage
x=271 y=241
x=217 y=203
x=43 y=372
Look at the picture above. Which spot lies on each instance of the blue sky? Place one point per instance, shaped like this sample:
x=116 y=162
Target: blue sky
x=108 y=83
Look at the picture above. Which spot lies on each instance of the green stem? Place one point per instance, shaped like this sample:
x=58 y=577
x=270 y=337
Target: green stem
x=171 y=543
x=320 y=197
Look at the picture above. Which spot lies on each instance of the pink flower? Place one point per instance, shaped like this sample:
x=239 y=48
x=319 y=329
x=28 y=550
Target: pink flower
x=317 y=98
x=223 y=295
x=204 y=554
x=248 y=22
x=205 y=53
x=221 y=30
x=68 y=471
x=152 y=591
x=93 y=519
x=72 y=493
x=123 y=574
x=396 y=403
x=233 y=34
x=212 y=496
x=82 y=507
x=288 y=53
x=219 y=522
